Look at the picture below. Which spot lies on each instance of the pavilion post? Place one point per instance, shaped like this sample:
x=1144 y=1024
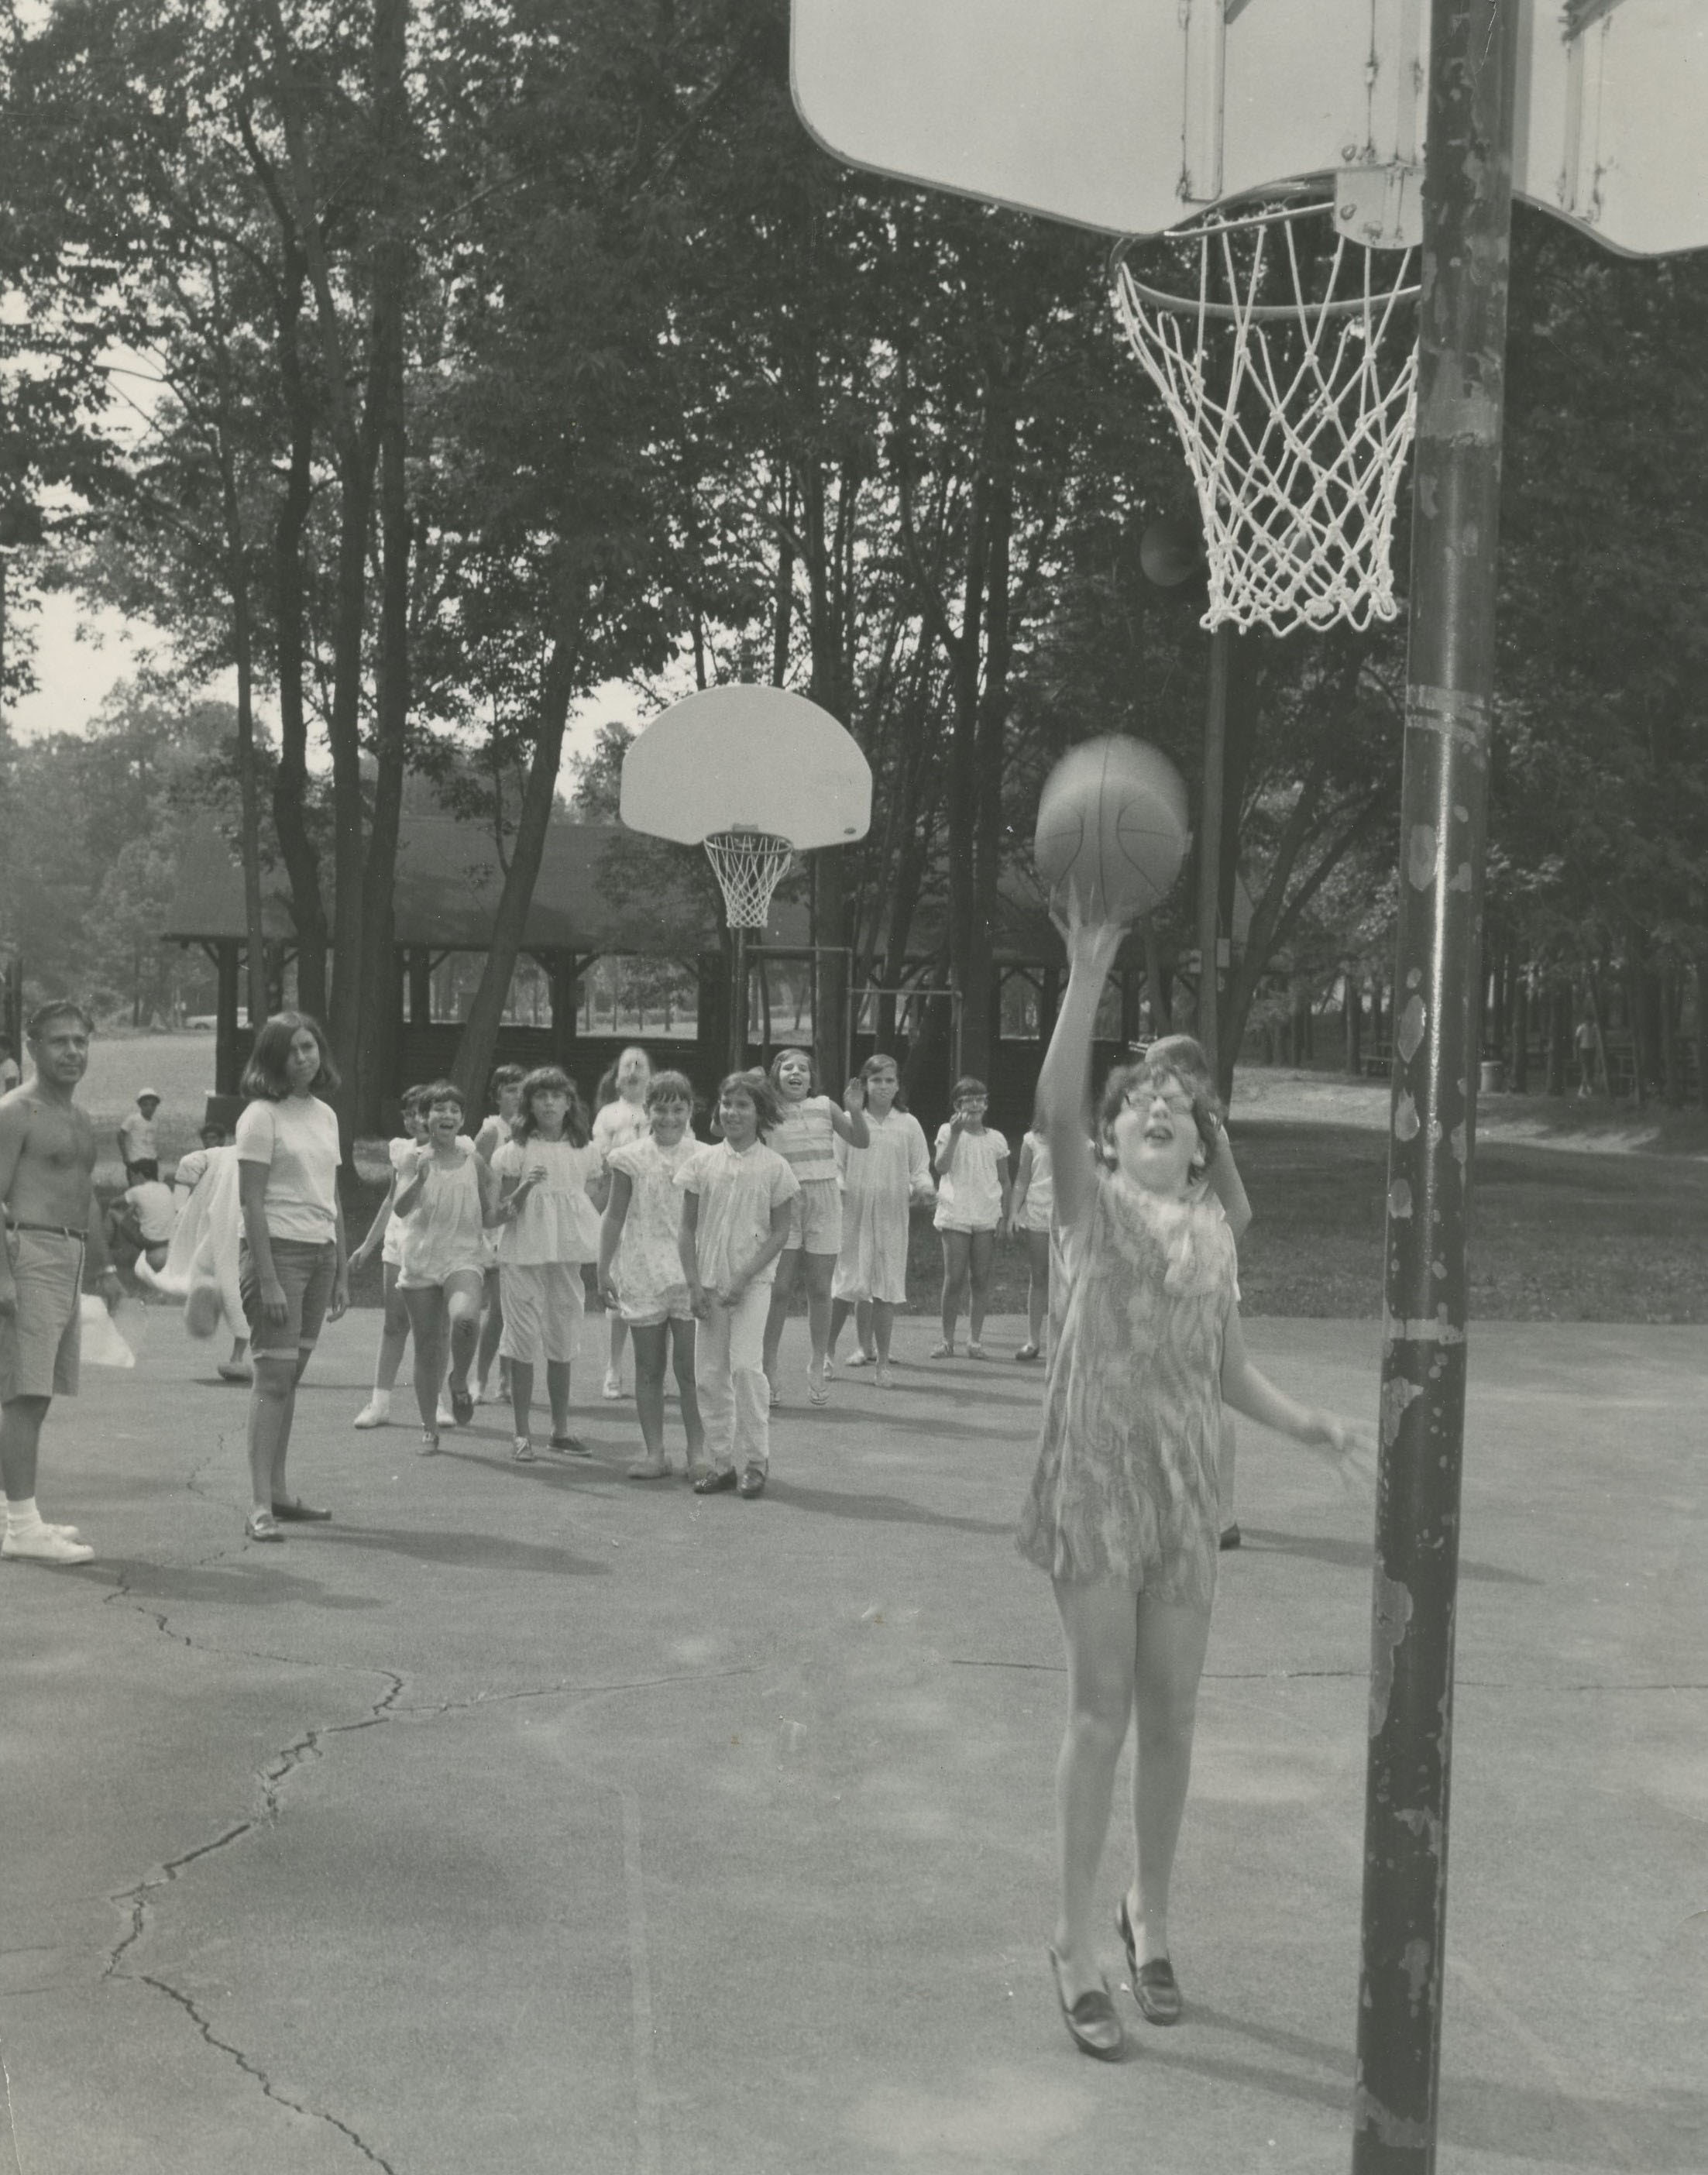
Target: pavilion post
x=1467 y=195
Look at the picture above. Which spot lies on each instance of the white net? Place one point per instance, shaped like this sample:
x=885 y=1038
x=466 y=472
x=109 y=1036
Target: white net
x=1292 y=377
x=749 y=866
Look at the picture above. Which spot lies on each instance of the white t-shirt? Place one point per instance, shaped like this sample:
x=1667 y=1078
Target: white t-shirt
x=188 y=1174
x=969 y=1198
x=737 y=1194
x=157 y=1212
x=139 y=1139
x=297 y=1140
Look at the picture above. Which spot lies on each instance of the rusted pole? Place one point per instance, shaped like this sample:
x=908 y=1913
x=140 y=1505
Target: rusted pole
x=1468 y=197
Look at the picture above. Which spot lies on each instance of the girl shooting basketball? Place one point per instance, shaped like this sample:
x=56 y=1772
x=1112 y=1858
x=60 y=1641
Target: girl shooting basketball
x=1122 y=1512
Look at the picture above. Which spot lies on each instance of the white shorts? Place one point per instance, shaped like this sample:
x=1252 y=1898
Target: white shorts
x=543 y=1305
x=646 y=1309
x=815 y=1217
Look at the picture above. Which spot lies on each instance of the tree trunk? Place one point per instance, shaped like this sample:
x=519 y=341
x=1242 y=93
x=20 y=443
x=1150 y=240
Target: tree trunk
x=1560 y=1023
x=1353 y=1019
x=1702 y=1028
x=378 y=965
x=1518 y=1078
x=238 y=579
x=479 y=1036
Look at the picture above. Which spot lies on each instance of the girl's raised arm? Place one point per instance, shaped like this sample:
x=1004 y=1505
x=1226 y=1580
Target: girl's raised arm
x=1228 y=1187
x=1064 y=1082
x=850 y=1121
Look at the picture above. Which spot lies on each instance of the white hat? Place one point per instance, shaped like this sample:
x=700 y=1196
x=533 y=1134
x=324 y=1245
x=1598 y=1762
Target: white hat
x=144 y=1094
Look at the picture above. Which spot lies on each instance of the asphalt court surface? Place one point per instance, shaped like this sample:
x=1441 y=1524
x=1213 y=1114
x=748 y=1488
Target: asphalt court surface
x=528 y=1817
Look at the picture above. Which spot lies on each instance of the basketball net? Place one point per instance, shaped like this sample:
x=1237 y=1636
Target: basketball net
x=749 y=866
x=1296 y=414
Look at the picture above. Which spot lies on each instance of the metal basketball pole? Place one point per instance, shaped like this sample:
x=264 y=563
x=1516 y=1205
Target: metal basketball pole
x=1212 y=828
x=1468 y=201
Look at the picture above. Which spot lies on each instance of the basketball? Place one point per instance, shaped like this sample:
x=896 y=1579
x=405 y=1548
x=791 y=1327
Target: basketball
x=202 y=1310
x=1112 y=825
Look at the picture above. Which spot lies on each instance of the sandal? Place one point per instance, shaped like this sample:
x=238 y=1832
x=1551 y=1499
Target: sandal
x=262 y=1526
x=817 y=1389
x=945 y=1350
x=522 y=1450
x=975 y=1351
x=861 y=1359
x=1092 y=2022
x=429 y=1442
x=1027 y=1353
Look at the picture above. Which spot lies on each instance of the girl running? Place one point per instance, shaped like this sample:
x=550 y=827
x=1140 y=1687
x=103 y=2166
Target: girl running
x=973 y=1206
x=446 y=1198
x=504 y=1092
x=1034 y=1199
x=806 y=1138
x=621 y=1119
x=292 y=1272
x=735 y=1215
x=1122 y=1511
x=640 y=1270
x=882 y=1182
x=549 y=1180
x=386 y=1233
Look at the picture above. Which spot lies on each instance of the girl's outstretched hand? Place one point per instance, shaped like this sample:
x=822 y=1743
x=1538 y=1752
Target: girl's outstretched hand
x=1090 y=944
x=854 y=1096
x=1353 y=1451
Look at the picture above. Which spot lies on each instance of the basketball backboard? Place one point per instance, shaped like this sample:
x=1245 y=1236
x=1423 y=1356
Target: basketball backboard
x=1131 y=116
x=750 y=759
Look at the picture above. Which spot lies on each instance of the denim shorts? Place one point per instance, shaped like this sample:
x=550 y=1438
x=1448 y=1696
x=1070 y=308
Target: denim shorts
x=305 y=1268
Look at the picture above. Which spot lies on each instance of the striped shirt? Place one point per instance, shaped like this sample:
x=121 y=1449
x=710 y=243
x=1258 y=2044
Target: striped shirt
x=806 y=1138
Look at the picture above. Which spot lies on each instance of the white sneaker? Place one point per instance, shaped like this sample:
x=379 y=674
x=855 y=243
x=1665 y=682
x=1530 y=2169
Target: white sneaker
x=445 y=1416
x=612 y=1388
x=376 y=1412
x=47 y=1544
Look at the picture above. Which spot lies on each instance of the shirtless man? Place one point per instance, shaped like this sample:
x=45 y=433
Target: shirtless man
x=47 y=1168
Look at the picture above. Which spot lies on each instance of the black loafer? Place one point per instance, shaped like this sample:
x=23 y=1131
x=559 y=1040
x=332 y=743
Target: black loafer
x=1230 y=1537
x=751 y=1482
x=1155 y=1987
x=1092 y=2022
x=718 y=1481
x=301 y=1514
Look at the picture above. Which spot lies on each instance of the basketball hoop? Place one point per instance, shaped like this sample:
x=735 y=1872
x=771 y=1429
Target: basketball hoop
x=1296 y=414
x=749 y=866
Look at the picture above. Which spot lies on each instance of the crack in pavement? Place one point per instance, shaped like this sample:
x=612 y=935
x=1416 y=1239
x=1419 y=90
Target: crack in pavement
x=11 y=2116
x=272 y=1778
x=253 y=2070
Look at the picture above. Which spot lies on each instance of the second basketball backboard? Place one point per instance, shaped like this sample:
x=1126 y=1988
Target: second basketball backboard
x=1132 y=116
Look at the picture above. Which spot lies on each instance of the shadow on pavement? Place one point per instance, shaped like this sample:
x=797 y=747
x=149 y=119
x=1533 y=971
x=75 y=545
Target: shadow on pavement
x=1357 y=1555
x=464 y=1551
x=878 y=1510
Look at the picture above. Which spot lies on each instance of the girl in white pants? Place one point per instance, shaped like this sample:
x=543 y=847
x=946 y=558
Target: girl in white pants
x=735 y=1212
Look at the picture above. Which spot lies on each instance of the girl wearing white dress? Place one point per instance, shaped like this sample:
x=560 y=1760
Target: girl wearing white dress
x=881 y=1184
x=973 y=1204
x=387 y=1233
x=806 y=1137
x=447 y=1199
x=551 y=1188
x=620 y=1120
x=504 y=1092
x=640 y=1270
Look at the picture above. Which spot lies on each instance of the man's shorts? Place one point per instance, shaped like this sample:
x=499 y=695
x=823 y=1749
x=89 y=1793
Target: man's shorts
x=543 y=1305
x=305 y=1268
x=39 y=1347
x=815 y=1217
